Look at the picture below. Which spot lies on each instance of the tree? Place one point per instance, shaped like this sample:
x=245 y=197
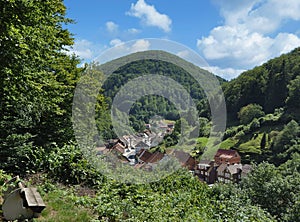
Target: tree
x=293 y=99
x=266 y=187
x=249 y=112
x=37 y=77
x=286 y=142
x=263 y=141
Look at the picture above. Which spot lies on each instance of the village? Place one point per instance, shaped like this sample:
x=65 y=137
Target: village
x=135 y=150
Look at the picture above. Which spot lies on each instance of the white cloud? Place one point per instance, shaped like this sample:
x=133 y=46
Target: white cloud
x=226 y=73
x=111 y=26
x=250 y=34
x=115 y=42
x=82 y=48
x=150 y=16
x=134 y=31
x=119 y=48
x=140 y=45
x=183 y=54
x=136 y=46
x=236 y=45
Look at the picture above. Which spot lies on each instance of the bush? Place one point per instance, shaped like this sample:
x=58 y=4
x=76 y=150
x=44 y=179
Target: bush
x=66 y=164
x=249 y=112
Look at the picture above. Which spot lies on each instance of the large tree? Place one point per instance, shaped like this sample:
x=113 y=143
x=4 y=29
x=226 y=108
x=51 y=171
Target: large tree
x=37 y=77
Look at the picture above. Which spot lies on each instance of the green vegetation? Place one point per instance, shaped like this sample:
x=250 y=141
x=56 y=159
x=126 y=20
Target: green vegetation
x=37 y=78
x=37 y=141
x=249 y=112
x=267 y=85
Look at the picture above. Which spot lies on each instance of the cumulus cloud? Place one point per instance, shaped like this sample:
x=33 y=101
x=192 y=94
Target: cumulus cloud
x=82 y=48
x=226 y=73
x=119 y=48
x=150 y=16
x=140 y=45
x=115 y=42
x=111 y=26
x=250 y=34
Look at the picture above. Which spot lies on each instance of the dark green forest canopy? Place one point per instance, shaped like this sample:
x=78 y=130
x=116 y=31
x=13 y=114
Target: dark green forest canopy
x=266 y=85
x=148 y=106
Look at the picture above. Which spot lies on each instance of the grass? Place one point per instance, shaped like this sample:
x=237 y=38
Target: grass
x=202 y=141
x=61 y=207
x=251 y=146
x=228 y=143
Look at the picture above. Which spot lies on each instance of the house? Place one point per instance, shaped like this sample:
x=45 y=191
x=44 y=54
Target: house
x=206 y=171
x=227 y=157
x=118 y=147
x=141 y=145
x=229 y=173
x=185 y=159
x=144 y=156
x=110 y=143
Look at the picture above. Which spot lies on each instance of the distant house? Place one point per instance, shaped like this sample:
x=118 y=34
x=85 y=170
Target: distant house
x=130 y=155
x=185 y=159
x=171 y=125
x=206 y=171
x=118 y=147
x=141 y=145
x=145 y=156
x=227 y=157
x=229 y=173
x=110 y=143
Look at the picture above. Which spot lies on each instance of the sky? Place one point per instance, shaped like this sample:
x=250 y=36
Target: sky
x=230 y=35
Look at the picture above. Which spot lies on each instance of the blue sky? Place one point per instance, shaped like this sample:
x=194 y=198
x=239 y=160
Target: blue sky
x=231 y=35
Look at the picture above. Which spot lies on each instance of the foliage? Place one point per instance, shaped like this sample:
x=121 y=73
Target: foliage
x=178 y=197
x=286 y=143
x=60 y=208
x=249 y=112
x=273 y=191
x=150 y=105
x=64 y=164
x=293 y=98
x=266 y=85
x=37 y=77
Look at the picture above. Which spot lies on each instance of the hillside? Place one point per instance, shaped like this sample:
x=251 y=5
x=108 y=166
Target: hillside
x=267 y=85
x=263 y=108
x=119 y=72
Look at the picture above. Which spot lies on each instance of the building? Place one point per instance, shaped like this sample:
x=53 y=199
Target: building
x=185 y=159
x=229 y=173
x=206 y=171
x=227 y=157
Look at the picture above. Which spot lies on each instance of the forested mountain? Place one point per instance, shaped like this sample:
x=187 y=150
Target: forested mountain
x=263 y=109
x=149 y=105
x=272 y=85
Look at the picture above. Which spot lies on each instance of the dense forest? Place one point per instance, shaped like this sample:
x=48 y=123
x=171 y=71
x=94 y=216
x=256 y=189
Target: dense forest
x=37 y=142
x=150 y=105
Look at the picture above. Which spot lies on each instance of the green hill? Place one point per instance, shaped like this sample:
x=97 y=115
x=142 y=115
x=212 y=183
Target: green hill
x=120 y=71
x=263 y=105
x=267 y=85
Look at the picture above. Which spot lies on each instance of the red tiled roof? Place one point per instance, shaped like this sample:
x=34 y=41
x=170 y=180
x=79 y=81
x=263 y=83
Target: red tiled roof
x=226 y=153
x=119 y=147
x=185 y=159
x=148 y=157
